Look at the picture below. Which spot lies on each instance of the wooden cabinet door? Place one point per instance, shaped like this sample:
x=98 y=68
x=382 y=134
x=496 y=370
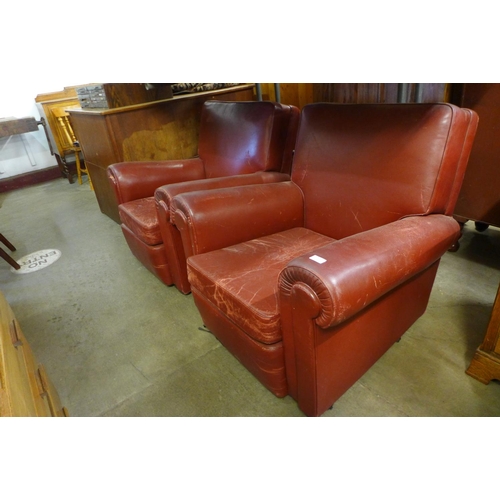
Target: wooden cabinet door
x=25 y=389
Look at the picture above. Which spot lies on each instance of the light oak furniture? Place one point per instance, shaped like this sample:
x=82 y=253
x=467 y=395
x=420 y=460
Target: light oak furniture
x=69 y=142
x=46 y=104
x=161 y=130
x=485 y=364
x=25 y=389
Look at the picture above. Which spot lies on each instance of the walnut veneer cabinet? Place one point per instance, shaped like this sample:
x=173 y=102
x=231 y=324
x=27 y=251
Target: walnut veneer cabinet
x=161 y=130
x=25 y=389
x=485 y=364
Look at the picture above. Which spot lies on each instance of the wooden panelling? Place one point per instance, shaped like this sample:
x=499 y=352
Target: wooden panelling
x=367 y=93
x=297 y=94
x=300 y=94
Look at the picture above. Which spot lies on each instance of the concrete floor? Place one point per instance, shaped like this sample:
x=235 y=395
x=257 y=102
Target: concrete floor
x=117 y=342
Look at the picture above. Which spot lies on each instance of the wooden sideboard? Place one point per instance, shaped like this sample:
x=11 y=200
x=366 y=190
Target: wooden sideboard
x=25 y=389
x=485 y=364
x=160 y=130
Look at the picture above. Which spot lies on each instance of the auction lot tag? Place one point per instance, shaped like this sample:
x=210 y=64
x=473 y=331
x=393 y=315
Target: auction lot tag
x=318 y=259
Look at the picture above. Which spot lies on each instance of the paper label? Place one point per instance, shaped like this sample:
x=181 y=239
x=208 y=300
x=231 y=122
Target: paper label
x=318 y=259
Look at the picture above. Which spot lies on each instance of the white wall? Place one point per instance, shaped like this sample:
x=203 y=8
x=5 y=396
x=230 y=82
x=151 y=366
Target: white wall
x=29 y=152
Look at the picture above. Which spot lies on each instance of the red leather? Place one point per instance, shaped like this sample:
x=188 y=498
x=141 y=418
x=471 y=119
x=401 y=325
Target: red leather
x=252 y=141
x=238 y=138
x=139 y=216
x=139 y=179
x=170 y=231
x=240 y=213
x=395 y=158
x=370 y=201
x=247 y=281
x=390 y=255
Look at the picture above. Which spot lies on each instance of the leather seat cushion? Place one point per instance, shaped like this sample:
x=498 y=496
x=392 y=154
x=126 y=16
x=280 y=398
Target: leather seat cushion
x=242 y=280
x=141 y=218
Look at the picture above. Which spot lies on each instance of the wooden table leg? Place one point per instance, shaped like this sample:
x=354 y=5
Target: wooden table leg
x=9 y=259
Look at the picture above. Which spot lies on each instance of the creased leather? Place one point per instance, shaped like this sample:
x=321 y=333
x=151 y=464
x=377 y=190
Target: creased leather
x=223 y=217
x=241 y=280
x=235 y=139
x=362 y=268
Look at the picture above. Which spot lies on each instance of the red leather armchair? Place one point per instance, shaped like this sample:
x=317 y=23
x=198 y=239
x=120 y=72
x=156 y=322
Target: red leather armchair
x=308 y=282
x=239 y=143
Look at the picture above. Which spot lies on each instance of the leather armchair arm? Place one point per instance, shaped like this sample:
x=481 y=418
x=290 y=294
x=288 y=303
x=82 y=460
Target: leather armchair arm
x=356 y=271
x=209 y=220
x=139 y=179
x=165 y=194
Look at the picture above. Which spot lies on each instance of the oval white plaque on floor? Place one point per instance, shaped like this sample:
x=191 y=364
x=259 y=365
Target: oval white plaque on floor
x=36 y=261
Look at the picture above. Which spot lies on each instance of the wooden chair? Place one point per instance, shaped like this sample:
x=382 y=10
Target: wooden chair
x=5 y=256
x=70 y=142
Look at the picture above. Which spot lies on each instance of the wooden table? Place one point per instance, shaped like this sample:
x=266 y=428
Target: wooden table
x=160 y=130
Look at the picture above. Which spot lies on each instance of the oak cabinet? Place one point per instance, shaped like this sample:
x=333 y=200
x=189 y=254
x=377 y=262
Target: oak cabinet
x=25 y=388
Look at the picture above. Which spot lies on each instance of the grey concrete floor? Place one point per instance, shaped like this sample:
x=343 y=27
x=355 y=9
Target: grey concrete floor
x=117 y=342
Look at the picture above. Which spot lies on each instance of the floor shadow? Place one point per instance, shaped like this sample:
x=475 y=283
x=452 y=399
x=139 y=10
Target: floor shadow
x=482 y=247
x=475 y=319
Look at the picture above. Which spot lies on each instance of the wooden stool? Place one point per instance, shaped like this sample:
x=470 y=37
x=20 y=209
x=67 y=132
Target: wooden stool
x=5 y=256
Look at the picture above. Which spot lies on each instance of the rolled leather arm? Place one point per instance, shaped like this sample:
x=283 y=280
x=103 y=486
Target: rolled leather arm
x=356 y=271
x=210 y=220
x=139 y=179
x=166 y=194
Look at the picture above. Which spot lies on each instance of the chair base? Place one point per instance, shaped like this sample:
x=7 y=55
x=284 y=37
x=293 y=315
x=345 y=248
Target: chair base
x=265 y=361
x=152 y=257
x=344 y=353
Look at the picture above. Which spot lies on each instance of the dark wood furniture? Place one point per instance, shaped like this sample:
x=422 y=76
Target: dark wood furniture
x=15 y=126
x=5 y=256
x=479 y=198
x=368 y=93
x=117 y=95
x=160 y=130
x=485 y=364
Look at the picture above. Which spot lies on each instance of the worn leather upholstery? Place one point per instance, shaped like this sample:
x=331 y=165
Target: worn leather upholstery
x=239 y=143
x=309 y=281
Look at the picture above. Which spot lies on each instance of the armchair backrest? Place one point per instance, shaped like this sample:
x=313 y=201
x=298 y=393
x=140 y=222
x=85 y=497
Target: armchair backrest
x=362 y=166
x=244 y=137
